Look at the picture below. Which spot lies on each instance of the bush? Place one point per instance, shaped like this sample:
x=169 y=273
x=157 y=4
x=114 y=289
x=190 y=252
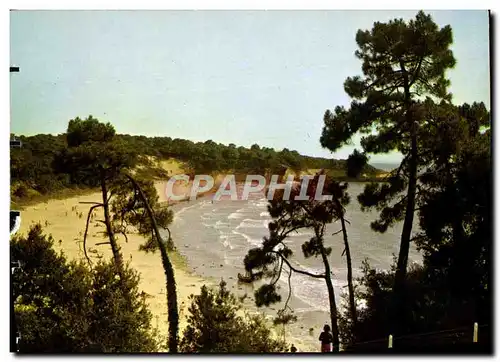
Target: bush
x=48 y=183
x=19 y=190
x=62 y=306
x=429 y=307
x=215 y=325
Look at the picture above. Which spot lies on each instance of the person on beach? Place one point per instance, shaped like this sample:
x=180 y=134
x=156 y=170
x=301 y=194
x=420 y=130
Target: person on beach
x=326 y=339
x=293 y=349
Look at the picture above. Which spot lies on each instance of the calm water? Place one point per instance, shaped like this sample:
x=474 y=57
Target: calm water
x=386 y=166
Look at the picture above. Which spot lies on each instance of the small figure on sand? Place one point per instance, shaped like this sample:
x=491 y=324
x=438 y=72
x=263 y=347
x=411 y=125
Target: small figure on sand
x=326 y=339
x=293 y=349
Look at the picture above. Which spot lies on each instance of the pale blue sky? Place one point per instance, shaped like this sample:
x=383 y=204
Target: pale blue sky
x=238 y=77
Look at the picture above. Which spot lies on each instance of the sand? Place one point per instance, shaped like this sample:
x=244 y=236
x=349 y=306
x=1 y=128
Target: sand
x=65 y=220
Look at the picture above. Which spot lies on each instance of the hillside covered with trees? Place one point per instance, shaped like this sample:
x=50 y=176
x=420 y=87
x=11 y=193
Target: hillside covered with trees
x=39 y=166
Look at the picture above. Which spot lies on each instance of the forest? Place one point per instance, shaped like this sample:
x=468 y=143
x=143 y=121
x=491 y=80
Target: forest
x=38 y=167
x=444 y=183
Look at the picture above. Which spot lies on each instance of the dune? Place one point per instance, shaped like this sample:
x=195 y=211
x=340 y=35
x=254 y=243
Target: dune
x=65 y=220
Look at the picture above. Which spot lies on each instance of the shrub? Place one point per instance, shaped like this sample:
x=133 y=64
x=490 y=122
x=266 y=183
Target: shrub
x=215 y=325
x=19 y=190
x=62 y=306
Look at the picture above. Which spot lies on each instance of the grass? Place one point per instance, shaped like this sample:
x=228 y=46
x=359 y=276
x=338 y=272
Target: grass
x=358 y=179
x=341 y=175
x=179 y=261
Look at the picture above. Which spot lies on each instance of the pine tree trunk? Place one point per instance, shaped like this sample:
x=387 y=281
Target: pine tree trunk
x=173 y=314
x=399 y=280
x=109 y=229
x=117 y=255
x=350 y=284
x=331 y=299
x=408 y=221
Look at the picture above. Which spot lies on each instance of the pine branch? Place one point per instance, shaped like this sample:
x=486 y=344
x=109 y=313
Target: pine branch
x=321 y=276
x=278 y=275
x=415 y=74
x=337 y=232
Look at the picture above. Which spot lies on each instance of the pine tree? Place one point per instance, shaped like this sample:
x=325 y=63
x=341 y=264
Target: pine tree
x=96 y=156
x=402 y=62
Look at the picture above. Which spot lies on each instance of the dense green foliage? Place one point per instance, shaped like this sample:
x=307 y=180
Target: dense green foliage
x=62 y=306
x=355 y=163
x=452 y=288
x=215 y=325
x=41 y=166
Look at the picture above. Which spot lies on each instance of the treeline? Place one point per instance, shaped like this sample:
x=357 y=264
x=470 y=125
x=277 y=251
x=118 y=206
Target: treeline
x=41 y=165
x=209 y=156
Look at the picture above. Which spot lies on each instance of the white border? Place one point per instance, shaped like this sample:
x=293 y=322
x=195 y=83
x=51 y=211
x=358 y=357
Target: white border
x=251 y=4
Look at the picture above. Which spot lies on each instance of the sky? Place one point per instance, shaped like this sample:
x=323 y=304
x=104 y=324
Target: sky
x=239 y=77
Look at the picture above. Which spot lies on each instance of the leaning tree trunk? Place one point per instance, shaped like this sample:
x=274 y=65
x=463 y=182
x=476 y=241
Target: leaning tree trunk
x=109 y=229
x=398 y=317
x=350 y=284
x=173 y=314
x=331 y=298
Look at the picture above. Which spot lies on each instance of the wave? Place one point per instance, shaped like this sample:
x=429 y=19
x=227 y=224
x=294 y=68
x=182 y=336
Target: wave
x=314 y=291
x=252 y=223
x=309 y=234
x=250 y=240
x=235 y=215
x=184 y=209
x=224 y=238
x=220 y=224
x=258 y=203
x=264 y=213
